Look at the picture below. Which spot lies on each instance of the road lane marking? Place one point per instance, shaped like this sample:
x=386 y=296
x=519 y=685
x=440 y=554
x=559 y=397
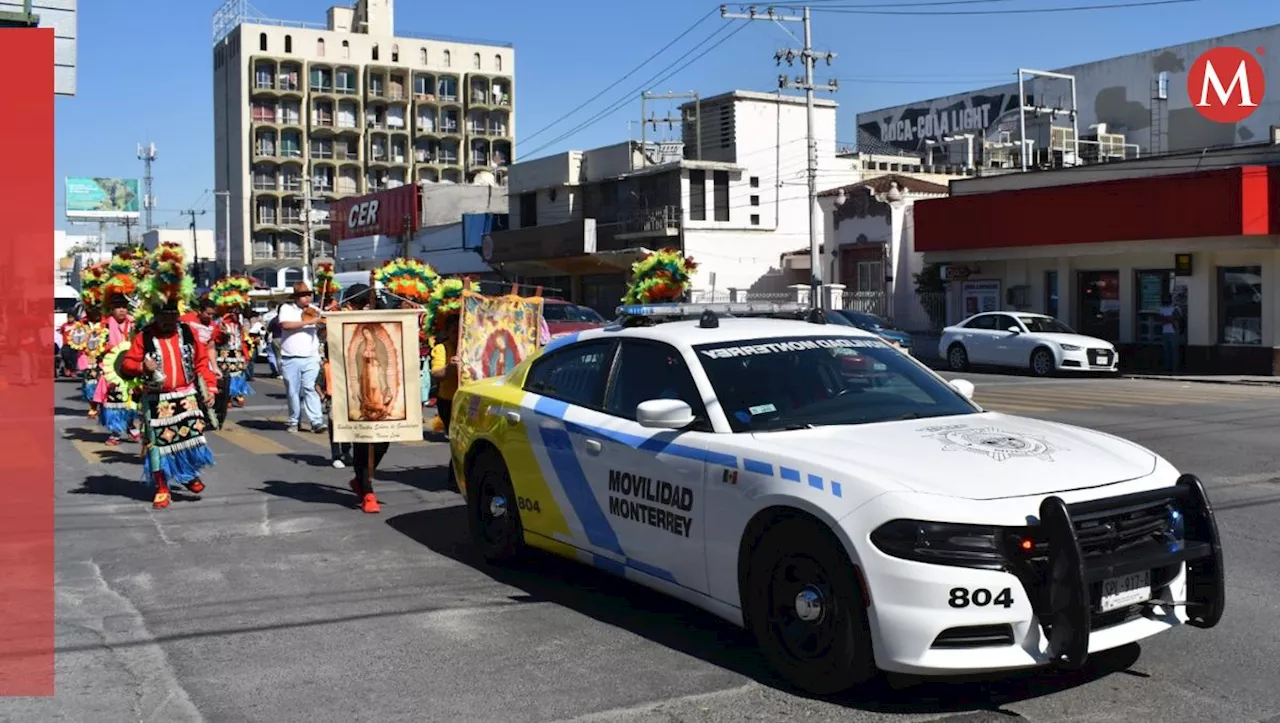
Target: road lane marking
x=253 y=441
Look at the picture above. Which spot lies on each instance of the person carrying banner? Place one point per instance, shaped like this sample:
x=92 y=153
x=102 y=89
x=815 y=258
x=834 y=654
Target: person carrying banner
x=171 y=368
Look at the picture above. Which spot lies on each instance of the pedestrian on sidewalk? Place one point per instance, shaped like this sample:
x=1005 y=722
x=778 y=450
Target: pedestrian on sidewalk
x=1170 y=333
x=300 y=358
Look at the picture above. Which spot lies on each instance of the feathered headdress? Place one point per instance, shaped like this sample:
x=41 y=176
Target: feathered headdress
x=446 y=302
x=125 y=269
x=326 y=282
x=166 y=286
x=661 y=277
x=91 y=281
x=409 y=279
x=231 y=293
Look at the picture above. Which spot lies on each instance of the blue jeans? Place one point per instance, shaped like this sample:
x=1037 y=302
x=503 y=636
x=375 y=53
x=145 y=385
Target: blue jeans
x=1171 y=349
x=300 y=373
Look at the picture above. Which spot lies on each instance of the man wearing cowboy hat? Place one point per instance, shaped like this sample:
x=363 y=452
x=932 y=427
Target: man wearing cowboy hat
x=300 y=358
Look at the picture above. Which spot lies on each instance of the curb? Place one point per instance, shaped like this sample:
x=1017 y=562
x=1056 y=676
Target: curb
x=1232 y=382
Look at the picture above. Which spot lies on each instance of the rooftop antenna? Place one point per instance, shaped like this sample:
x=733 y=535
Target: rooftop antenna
x=147 y=154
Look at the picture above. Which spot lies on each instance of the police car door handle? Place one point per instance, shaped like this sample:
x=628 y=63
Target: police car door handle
x=513 y=417
x=593 y=446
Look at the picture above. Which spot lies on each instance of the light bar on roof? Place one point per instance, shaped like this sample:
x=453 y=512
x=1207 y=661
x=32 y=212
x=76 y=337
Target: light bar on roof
x=694 y=310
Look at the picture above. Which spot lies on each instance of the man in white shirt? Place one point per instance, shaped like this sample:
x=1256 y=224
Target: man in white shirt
x=300 y=359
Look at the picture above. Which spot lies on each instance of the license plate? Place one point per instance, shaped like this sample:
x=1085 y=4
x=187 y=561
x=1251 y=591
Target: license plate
x=1121 y=592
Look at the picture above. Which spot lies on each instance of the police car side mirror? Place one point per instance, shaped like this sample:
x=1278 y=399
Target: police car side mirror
x=964 y=386
x=664 y=414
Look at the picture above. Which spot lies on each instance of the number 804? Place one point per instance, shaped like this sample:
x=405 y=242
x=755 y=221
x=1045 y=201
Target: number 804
x=963 y=597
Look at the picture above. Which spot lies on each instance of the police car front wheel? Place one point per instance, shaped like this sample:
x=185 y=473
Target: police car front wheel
x=495 y=518
x=806 y=610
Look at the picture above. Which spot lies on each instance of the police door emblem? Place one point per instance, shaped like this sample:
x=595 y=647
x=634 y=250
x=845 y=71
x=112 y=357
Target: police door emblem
x=996 y=443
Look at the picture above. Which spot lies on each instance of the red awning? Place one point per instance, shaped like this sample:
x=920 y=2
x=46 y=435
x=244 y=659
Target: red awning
x=1224 y=202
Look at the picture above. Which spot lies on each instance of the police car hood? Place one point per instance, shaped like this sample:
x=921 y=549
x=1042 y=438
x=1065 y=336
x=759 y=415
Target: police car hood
x=980 y=456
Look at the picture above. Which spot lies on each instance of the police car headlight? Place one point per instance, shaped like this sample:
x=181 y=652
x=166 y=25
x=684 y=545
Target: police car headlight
x=942 y=543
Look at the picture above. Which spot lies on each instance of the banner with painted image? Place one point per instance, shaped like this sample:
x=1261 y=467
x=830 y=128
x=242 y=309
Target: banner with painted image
x=497 y=333
x=374 y=368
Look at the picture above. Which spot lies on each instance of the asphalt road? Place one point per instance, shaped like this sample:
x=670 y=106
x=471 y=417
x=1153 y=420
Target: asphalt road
x=273 y=599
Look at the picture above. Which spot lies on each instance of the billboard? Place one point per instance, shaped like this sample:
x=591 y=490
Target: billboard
x=102 y=199
x=1144 y=96
x=380 y=213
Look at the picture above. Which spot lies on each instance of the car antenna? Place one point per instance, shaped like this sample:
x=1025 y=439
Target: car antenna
x=709 y=320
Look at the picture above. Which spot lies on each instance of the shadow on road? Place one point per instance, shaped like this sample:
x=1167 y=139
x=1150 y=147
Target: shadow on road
x=684 y=628
x=311 y=460
x=111 y=486
x=71 y=412
x=427 y=479
x=96 y=434
x=310 y=492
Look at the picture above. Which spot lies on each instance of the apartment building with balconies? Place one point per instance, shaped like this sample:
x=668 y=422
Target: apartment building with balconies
x=341 y=109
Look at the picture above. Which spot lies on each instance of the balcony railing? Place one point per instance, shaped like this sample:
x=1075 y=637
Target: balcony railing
x=395 y=93
x=479 y=159
x=479 y=97
x=286 y=84
x=292 y=184
x=345 y=89
x=264 y=84
x=290 y=152
x=322 y=120
x=654 y=220
x=265 y=185
x=291 y=218
x=342 y=154
x=376 y=125
x=266 y=216
x=321 y=88
x=264 y=150
x=377 y=90
x=446 y=97
x=322 y=153
x=378 y=155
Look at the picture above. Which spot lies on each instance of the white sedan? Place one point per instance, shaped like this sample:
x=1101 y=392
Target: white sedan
x=1028 y=341
x=852 y=509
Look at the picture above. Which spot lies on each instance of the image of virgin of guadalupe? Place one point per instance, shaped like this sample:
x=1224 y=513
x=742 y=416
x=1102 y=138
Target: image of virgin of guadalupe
x=368 y=375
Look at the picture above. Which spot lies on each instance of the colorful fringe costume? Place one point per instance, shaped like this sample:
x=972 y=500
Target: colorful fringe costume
x=117 y=412
x=661 y=277
x=174 y=396
x=230 y=296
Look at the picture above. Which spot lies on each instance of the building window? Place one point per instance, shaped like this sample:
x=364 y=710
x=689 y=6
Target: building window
x=320 y=48
x=755 y=200
x=475 y=61
x=1240 y=305
x=346 y=49
x=497 y=63
x=721 y=181
x=755 y=219
x=375 y=51
x=395 y=53
x=528 y=210
x=448 y=59
x=1152 y=288
x=422 y=56
x=288 y=43
x=755 y=181
x=262 y=42
x=697 y=195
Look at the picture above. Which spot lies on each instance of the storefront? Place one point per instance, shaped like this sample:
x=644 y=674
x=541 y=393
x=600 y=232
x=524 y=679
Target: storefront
x=1104 y=257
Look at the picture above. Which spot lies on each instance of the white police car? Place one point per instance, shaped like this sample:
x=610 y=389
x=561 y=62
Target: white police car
x=847 y=505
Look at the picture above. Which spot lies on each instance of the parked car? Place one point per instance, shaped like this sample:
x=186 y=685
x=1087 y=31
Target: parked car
x=879 y=326
x=564 y=317
x=1015 y=339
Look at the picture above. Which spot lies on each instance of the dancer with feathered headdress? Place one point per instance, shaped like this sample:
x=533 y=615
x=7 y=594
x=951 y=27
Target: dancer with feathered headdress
x=116 y=410
x=88 y=335
x=661 y=277
x=171 y=368
x=230 y=298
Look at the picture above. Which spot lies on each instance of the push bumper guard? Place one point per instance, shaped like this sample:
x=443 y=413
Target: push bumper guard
x=1071 y=574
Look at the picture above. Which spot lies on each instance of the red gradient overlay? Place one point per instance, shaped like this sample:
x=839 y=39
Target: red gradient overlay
x=26 y=363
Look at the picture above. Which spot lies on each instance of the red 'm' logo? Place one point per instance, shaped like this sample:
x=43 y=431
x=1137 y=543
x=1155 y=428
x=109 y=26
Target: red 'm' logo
x=1226 y=85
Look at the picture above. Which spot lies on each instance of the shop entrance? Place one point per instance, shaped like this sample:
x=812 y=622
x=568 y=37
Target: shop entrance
x=1098 y=308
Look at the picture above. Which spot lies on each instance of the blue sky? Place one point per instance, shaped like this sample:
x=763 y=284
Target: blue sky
x=145 y=66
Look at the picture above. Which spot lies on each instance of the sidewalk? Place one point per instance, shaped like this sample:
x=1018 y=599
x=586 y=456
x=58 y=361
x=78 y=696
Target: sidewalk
x=1257 y=381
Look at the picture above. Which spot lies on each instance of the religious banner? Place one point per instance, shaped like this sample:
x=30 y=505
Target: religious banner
x=497 y=333
x=374 y=368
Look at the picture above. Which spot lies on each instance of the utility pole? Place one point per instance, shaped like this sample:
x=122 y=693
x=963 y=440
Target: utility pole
x=226 y=226
x=306 y=237
x=128 y=222
x=147 y=154
x=195 y=242
x=809 y=57
x=646 y=121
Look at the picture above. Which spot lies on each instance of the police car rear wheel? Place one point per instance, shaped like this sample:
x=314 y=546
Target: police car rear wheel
x=806 y=611
x=495 y=517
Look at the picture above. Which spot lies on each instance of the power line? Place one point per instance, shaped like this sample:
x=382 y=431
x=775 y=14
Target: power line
x=652 y=81
x=619 y=81
x=865 y=10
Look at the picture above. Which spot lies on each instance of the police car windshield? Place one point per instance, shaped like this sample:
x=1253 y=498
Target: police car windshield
x=809 y=381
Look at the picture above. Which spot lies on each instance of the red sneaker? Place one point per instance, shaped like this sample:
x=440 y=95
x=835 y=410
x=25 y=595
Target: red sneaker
x=370 y=504
x=161 y=500
x=113 y=441
x=196 y=487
